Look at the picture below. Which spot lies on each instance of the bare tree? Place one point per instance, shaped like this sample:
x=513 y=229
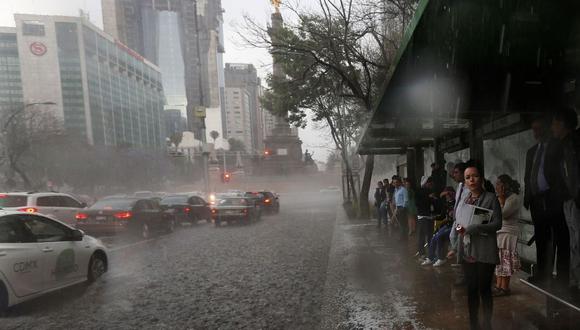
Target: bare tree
x=21 y=131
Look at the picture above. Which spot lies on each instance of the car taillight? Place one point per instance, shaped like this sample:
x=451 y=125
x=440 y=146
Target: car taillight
x=267 y=201
x=245 y=211
x=123 y=215
x=81 y=216
x=28 y=209
x=187 y=209
x=214 y=211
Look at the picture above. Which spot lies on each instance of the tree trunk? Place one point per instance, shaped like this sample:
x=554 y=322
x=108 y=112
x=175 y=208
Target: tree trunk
x=23 y=176
x=364 y=208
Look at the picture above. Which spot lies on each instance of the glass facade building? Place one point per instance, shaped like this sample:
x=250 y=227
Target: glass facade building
x=10 y=81
x=125 y=94
x=104 y=92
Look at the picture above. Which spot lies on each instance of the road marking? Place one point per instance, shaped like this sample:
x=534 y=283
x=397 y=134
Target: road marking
x=131 y=245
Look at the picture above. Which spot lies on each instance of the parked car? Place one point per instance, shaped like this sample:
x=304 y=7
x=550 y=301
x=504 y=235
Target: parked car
x=59 y=206
x=186 y=208
x=234 y=208
x=39 y=255
x=125 y=215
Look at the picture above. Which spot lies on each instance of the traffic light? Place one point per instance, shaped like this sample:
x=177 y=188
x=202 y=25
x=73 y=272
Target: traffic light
x=226 y=177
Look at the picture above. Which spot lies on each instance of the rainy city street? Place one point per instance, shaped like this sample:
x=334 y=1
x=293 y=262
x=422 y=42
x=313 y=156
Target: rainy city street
x=307 y=267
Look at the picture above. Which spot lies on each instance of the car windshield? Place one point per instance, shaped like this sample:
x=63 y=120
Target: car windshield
x=113 y=204
x=13 y=200
x=177 y=199
x=232 y=202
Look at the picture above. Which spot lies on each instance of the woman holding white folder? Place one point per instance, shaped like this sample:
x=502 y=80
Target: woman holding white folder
x=478 y=244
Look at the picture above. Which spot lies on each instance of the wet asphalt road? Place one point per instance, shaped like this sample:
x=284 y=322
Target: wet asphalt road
x=269 y=274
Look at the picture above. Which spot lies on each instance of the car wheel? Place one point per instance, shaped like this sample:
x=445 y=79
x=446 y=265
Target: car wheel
x=97 y=267
x=145 y=231
x=3 y=299
x=171 y=226
x=194 y=220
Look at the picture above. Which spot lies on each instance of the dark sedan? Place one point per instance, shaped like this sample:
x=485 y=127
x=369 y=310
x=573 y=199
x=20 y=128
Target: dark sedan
x=125 y=215
x=227 y=209
x=186 y=208
x=271 y=202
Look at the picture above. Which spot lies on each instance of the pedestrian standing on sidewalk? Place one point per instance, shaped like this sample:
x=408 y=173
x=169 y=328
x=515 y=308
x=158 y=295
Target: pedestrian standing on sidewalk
x=385 y=206
x=401 y=204
x=412 y=208
x=391 y=207
x=380 y=198
x=507 y=190
x=477 y=245
x=460 y=193
x=564 y=125
x=427 y=207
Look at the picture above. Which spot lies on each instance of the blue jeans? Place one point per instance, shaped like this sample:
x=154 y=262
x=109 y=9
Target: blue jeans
x=438 y=243
x=382 y=212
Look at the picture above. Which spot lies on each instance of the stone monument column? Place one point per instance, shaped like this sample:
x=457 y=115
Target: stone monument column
x=285 y=149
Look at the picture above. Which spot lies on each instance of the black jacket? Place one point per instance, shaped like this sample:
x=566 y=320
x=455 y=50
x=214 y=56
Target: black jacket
x=552 y=172
x=569 y=166
x=380 y=196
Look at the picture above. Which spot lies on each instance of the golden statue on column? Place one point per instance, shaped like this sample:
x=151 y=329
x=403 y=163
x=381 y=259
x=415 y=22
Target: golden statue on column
x=276 y=4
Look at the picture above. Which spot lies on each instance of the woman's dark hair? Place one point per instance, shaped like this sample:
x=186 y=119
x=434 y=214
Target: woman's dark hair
x=474 y=163
x=460 y=166
x=510 y=184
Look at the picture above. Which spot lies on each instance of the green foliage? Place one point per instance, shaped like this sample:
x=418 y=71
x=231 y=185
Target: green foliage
x=214 y=135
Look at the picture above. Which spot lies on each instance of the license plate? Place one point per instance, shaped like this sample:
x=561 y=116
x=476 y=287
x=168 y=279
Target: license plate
x=232 y=212
x=101 y=218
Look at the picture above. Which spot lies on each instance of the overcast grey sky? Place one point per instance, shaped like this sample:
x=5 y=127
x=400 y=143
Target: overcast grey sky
x=313 y=138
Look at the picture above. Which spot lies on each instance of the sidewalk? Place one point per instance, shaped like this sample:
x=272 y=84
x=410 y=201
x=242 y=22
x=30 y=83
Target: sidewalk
x=374 y=282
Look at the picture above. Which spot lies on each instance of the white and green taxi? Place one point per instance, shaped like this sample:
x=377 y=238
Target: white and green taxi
x=39 y=254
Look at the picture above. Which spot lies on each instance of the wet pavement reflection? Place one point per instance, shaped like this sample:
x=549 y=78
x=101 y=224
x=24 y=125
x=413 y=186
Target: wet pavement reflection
x=385 y=287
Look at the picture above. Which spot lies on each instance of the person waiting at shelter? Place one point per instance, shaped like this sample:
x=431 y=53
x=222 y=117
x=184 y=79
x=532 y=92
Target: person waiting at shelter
x=380 y=198
x=436 y=256
x=427 y=208
x=543 y=197
x=412 y=208
x=564 y=125
x=439 y=176
x=401 y=204
x=477 y=244
x=507 y=191
x=386 y=206
x=461 y=192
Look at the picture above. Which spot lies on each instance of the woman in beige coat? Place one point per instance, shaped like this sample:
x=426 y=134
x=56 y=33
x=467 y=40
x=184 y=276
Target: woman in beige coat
x=507 y=191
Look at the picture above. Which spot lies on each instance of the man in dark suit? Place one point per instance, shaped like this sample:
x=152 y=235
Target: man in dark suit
x=543 y=197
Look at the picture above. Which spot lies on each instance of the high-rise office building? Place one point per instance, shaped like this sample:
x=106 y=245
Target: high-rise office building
x=139 y=24
x=103 y=91
x=238 y=103
x=174 y=122
x=245 y=78
x=10 y=80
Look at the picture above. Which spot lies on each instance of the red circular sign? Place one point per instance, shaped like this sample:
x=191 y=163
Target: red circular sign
x=38 y=48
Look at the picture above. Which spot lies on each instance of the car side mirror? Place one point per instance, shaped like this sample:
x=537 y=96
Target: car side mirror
x=77 y=235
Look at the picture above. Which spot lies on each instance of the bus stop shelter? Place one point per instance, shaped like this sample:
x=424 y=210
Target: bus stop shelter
x=469 y=76
x=471 y=70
